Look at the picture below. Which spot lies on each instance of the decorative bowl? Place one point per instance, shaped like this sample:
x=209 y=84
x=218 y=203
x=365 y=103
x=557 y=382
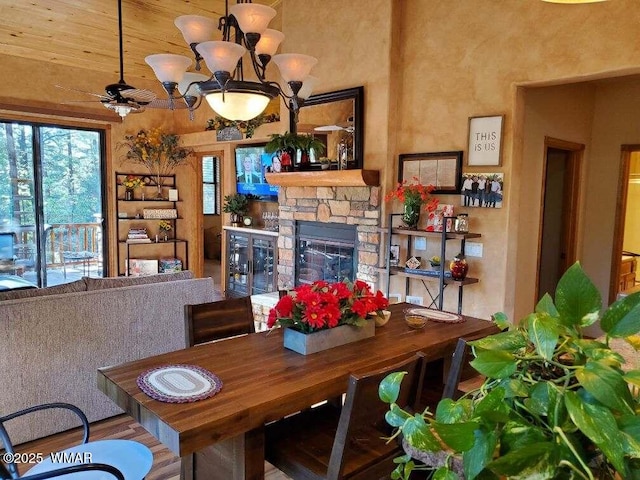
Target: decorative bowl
x=415 y=321
x=382 y=319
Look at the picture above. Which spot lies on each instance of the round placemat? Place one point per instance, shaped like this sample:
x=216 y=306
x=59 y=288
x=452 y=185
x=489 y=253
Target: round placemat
x=179 y=383
x=437 y=315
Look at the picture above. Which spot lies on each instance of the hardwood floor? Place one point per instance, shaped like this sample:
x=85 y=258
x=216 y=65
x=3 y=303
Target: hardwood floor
x=166 y=466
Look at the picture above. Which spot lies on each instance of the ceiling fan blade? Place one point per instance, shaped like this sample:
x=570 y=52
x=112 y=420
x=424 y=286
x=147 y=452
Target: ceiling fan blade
x=138 y=95
x=82 y=91
x=165 y=104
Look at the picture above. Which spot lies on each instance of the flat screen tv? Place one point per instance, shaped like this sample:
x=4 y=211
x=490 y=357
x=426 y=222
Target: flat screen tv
x=251 y=164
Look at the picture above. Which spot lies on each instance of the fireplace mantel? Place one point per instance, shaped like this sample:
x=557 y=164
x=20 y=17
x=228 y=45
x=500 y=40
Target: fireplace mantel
x=326 y=178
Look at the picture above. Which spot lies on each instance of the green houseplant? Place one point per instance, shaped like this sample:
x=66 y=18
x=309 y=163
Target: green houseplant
x=284 y=146
x=309 y=143
x=555 y=403
x=237 y=204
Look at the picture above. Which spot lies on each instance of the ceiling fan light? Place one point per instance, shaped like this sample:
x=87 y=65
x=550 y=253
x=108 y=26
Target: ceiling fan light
x=122 y=109
x=168 y=67
x=188 y=79
x=221 y=56
x=252 y=17
x=294 y=67
x=238 y=106
x=195 y=29
x=269 y=42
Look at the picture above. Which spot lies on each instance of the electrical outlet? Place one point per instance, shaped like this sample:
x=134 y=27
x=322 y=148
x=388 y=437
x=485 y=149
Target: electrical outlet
x=473 y=249
x=420 y=243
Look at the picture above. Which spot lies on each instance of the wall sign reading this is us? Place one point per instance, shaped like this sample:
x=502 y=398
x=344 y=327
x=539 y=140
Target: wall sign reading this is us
x=485 y=140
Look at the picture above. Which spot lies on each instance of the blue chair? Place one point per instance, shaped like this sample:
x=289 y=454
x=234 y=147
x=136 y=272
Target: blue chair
x=123 y=459
x=7 y=258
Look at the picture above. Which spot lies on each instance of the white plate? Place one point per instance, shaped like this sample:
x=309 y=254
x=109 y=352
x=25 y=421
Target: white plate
x=437 y=315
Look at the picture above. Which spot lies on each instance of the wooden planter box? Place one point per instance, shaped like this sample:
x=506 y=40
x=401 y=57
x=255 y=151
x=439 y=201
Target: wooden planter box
x=307 y=344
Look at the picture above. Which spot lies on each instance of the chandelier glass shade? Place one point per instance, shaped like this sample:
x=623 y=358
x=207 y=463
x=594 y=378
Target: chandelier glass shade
x=226 y=91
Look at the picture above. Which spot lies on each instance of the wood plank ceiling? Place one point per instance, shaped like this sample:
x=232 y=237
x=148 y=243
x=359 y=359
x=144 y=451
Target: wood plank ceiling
x=84 y=33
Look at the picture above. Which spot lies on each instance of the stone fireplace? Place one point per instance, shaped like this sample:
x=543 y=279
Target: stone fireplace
x=335 y=206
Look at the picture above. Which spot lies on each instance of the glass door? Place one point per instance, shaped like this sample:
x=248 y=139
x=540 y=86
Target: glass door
x=238 y=261
x=51 y=202
x=263 y=266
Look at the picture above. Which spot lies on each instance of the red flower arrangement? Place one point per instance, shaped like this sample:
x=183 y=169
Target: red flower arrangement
x=323 y=305
x=414 y=194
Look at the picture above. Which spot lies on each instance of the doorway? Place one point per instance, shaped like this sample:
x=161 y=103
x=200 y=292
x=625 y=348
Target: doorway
x=559 y=212
x=626 y=237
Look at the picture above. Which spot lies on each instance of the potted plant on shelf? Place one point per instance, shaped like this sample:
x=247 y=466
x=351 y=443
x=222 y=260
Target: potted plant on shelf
x=284 y=146
x=307 y=144
x=413 y=197
x=237 y=205
x=555 y=403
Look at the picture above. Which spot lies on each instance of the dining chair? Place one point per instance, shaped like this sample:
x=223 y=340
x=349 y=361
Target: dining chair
x=461 y=378
x=123 y=459
x=334 y=443
x=206 y=322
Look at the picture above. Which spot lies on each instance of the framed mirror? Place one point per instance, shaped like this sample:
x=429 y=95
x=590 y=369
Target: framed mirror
x=443 y=170
x=337 y=119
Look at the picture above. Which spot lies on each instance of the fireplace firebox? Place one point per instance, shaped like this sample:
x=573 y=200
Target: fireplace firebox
x=325 y=251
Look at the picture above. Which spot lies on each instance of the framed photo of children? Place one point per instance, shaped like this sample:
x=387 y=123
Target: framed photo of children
x=443 y=170
x=482 y=190
x=485 y=141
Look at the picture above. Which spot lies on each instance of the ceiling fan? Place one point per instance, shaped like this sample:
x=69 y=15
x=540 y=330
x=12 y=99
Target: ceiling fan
x=121 y=97
x=342 y=126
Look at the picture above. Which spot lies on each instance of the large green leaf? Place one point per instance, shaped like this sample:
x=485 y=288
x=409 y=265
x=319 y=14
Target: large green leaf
x=443 y=473
x=535 y=462
x=633 y=377
x=599 y=424
x=493 y=408
x=543 y=397
x=514 y=387
x=576 y=296
x=459 y=436
x=517 y=436
x=543 y=333
x=622 y=318
x=451 y=411
x=389 y=388
x=395 y=416
x=495 y=363
x=545 y=305
x=419 y=435
x=630 y=427
x=501 y=320
x=606 y=384
x=475 y=459
x=509 y=341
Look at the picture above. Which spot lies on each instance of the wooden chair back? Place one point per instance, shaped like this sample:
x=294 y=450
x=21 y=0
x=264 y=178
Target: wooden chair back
x=206 y=322
x=461 y=377
x=358 y=448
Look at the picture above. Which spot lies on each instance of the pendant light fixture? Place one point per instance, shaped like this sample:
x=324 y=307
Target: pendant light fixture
x=244 y=30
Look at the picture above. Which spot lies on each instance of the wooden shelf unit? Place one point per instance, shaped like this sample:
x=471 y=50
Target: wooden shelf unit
x=442 y=281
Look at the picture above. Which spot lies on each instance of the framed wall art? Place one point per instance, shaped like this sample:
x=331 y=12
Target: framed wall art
x=485 y=141
x=482 y=190
x=443 y=170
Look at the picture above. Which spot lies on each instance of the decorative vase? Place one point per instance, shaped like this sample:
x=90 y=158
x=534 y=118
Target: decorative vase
x=459 y=267
x=128 y=194
x=158 y=194
x=411 y=215
x=308 y=343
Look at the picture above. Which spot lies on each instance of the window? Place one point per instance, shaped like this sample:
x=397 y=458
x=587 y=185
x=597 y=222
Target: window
x=51 y=202
x=210 y=185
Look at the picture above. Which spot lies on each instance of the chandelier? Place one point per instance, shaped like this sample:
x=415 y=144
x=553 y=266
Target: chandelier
x=244 y=29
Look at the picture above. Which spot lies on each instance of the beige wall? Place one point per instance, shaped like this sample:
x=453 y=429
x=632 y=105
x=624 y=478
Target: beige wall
x=427 y=66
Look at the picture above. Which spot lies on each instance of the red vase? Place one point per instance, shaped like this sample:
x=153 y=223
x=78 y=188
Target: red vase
x=459 y=267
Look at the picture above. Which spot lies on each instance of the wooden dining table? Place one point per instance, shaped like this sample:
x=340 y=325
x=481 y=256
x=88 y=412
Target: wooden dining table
x=222 y=437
